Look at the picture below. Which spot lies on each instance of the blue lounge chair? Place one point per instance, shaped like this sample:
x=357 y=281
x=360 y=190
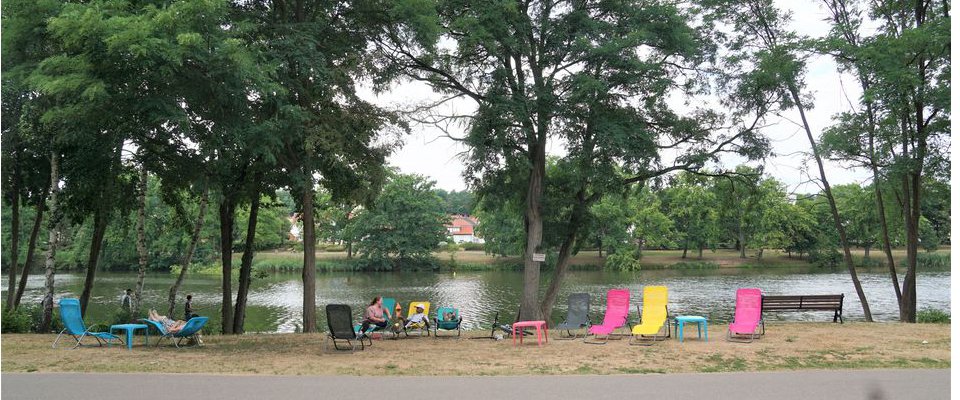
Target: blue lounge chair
x=74 y=326
x=448 y=324
x=190 y=329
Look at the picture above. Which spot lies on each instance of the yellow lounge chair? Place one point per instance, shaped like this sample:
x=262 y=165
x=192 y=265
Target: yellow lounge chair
x=654 y=323
x=422 y=326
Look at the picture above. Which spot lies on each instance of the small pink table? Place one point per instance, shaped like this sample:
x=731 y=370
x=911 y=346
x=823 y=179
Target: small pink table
x=530 y=324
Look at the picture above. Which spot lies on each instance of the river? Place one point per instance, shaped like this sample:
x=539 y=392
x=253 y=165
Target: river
x=275 y=300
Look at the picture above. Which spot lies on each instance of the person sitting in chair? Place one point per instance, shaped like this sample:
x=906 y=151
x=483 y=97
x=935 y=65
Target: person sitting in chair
x=169 y=325
x=417 y=320
x=374 y=315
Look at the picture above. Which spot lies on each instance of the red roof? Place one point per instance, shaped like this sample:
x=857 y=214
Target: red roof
x=462 y=224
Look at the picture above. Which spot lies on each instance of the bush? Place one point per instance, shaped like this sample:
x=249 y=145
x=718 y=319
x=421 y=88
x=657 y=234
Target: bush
x=16 y=321
x=624 y=260
x=335 y=249
x=695 y=265
x=933 y=316
x=472 y=246
x=826 y=258
x=26 y=319
x=930 y=260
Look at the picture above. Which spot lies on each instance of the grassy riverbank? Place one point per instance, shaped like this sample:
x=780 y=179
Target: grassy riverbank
x=786 y=346
x=478 y=260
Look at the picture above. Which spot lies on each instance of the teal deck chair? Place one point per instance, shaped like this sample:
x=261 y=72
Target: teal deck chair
x=74 y=326
x=442 y=323
x=190 y=329
x=389 y=303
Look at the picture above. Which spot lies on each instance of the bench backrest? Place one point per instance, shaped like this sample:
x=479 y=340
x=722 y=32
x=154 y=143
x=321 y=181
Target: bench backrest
x=827 y=302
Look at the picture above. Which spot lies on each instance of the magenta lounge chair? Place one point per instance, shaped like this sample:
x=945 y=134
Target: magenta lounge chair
x=747 y=317
x=615 y=317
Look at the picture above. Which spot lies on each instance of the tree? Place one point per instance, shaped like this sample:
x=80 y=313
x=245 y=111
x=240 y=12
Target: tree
x=777 y=55
x=591 y=74
x=737 y=196
x=694 y=210
x=771 y=210
x=403 y=226
x=321 y=126
x=858 y=208
x=903 y=69
x=500 y=226
x=455 y=202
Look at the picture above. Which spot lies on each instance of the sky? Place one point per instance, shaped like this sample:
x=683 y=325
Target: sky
x=428 y=152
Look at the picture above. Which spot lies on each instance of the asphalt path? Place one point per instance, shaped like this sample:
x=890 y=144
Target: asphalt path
x=784 y=385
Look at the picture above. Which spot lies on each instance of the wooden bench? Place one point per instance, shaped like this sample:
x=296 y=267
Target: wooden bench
x=823 y=302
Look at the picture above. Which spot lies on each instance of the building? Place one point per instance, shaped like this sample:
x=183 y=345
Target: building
x=462 y=229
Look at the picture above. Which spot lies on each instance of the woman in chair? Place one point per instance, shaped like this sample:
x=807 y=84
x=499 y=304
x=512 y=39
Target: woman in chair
x=374 y=315
x=169 y=325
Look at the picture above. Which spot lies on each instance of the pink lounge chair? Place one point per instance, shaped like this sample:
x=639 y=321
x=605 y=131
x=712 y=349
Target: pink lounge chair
x=618 y=308
x=747 y=317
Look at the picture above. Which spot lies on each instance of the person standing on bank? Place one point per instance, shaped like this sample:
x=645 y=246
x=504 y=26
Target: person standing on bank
x=188 y=308
x=127 y=301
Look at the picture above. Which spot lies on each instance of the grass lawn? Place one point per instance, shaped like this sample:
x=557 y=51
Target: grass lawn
x=651 y=258
x=786 y=346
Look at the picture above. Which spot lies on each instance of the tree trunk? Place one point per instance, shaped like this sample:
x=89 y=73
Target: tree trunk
x=141 y=239
x=866 y=252
x=188 y=257
x=684 y=249
x=559 y=273
x=53 y=236
x=309 y=273
x=96 y=245
x=349 y=248
x=14 y=249
x=31 y=248
x=760 y=253
x=226 y=259
x=246 y=264
x=741 y=238
x=577 y=216
x=885 y=231
x=533 y=221
x=908 y=301
x=848 y=259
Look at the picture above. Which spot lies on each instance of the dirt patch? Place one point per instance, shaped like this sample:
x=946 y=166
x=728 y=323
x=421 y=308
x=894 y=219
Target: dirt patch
x=785 y=346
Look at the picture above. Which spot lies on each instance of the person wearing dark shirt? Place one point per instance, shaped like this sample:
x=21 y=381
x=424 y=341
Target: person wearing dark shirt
x=188 y=308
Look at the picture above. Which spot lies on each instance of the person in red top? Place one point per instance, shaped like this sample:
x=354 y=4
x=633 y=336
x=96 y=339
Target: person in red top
x=374 y=315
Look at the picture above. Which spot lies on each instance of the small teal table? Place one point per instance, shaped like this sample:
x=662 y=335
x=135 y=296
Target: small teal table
x=701 y=326
x=129 y=328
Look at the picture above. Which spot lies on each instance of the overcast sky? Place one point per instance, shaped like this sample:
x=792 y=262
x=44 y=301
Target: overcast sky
x=427 y=152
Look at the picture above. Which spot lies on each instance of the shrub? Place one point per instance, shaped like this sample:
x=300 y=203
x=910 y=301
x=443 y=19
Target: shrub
x=472 y=246
x=26 y=319
x=335 y=249
x=625 y=260
x=695 y=265
x=933 y=316
x=930 y=260
x=826 y=258
x=16 y=321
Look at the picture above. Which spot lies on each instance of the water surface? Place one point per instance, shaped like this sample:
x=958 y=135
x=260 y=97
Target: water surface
x=275 y=303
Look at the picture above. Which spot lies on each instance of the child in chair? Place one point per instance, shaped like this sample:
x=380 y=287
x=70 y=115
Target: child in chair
x=417 y=320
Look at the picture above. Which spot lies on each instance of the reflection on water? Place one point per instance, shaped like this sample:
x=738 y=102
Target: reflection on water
x=275 y=301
